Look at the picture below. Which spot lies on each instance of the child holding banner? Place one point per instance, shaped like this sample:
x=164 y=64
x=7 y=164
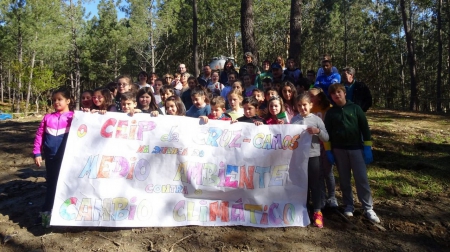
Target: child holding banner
x=51 y=137
x=200 y=103
x=147 y=102
x=235 y=100
x=175 y=106
x=277 y=114
x=217 y=110
x=250 y=105
x=351 y=145
x=103 y=101
x=128 y=103
x=316 y=128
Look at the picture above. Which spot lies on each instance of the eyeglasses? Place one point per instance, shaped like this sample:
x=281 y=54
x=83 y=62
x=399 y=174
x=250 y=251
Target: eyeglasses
x=122 y=84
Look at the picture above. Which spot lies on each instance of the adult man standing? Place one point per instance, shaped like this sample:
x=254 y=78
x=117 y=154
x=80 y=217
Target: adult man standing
x=205 y=78
x=182 y=69
x=328 y=77
x=248 y=59
x=357 y=92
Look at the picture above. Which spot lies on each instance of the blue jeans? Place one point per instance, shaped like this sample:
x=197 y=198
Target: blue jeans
x=326 y=177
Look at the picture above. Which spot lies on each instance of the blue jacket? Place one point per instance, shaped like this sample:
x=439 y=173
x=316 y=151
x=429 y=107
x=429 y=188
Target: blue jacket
x=324 y=82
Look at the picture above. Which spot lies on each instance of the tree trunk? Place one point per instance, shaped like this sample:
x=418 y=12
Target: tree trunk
x=247 y=29
x=152 y=45
x=447 y=11
x=194 y=38
x=9 y=84
x=346 y=10
x=439 y=66
x=414 y=101
x=33 y=58
x=152 y=42
x=2 y=85
x=19 y=58
x=76 y=86
x=37 y=104
x=295 y=31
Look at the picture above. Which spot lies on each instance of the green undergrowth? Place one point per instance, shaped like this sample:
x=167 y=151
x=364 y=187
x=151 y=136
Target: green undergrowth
x=388 y=183
x=411 y=154
x=5 y=107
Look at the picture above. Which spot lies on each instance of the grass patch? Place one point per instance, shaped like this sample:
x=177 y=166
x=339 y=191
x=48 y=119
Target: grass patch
x=411 y=153
x=390 y=183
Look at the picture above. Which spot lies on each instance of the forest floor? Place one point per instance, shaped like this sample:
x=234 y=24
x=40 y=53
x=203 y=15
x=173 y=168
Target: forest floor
x=409 y=179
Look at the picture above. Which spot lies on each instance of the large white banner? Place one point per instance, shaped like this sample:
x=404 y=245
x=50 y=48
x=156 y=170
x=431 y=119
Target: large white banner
x=140 y=171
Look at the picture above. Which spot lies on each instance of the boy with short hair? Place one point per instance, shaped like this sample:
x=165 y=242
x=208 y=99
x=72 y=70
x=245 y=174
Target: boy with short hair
x=128 y=103
x=266 y=83
x=250 y=106
x=259 y=96
x=218 y=109
x=346 y=123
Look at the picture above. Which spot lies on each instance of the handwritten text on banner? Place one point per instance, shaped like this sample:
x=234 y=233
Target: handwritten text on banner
x=142 y=171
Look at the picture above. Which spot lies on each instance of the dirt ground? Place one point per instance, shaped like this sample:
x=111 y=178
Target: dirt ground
x=420 y=223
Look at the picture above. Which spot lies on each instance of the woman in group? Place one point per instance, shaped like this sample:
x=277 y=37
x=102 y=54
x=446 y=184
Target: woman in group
x=228 y=67
x=280 y=61
x=167 y=79
x=143 y=80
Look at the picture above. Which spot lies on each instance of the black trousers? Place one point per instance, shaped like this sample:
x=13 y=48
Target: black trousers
x=52 y=165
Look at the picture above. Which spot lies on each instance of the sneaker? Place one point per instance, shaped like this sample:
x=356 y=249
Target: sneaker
x=348 y=211
x=332 y=202
x=372 y=216
x=318 y=219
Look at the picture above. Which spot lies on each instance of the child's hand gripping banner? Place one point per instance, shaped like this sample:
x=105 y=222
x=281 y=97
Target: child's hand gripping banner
x=141 y=171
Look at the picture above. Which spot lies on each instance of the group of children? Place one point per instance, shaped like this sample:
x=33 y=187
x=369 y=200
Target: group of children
x=340 y=133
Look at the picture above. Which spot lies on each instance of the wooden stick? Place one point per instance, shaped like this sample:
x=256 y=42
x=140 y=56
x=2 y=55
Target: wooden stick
x=151 y=246
x=115 y=243
x=345 y=218
x=378 y=226
x=182 y=239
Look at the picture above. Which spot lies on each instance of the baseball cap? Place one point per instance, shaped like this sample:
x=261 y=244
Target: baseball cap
x=275 y=66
